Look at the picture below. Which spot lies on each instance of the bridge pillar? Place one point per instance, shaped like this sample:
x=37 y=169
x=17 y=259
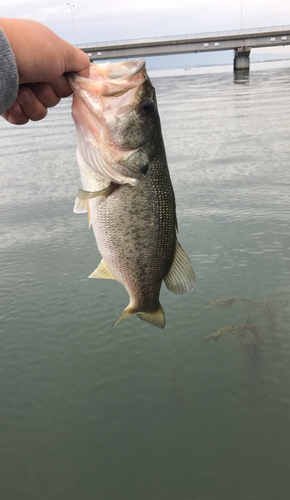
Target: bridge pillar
x=242 y=59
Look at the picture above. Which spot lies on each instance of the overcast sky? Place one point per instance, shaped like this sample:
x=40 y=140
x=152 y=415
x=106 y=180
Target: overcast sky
x=100 y=20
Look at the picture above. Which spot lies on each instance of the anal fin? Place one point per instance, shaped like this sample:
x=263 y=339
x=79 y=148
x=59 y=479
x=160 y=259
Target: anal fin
x=102 y=272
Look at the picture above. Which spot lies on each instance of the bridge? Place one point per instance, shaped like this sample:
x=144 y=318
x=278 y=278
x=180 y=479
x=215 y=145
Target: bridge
x=241 y=41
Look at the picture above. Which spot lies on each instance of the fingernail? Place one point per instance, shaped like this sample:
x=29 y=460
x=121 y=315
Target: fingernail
x=24 y=97
x=16 y=108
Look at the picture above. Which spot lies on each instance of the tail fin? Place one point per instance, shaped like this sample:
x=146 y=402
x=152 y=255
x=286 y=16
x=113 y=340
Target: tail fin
x=125 y=314
x=155 y=318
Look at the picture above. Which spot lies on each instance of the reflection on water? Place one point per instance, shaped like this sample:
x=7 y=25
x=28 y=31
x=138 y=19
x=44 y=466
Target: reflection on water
x=242 y=76
x=93 y=412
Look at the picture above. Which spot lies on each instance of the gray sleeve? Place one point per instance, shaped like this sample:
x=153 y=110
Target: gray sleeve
x=8 y=74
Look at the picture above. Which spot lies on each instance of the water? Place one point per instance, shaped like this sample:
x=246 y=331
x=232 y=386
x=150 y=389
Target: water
x=132 y=412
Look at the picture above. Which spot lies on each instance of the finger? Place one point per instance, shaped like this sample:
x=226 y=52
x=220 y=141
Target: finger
x=61 y=87
x=30 y=105
x=84 y=72
x=45 y=94
x=15 y=115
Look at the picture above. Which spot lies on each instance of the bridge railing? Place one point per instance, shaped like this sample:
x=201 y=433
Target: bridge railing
x=192 y=36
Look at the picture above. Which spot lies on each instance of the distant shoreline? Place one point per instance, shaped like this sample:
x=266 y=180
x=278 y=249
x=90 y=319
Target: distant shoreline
x=218 y=68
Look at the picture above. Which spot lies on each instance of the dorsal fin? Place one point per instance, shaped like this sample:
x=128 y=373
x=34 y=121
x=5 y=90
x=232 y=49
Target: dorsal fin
x=180 y=278
x=102 y=272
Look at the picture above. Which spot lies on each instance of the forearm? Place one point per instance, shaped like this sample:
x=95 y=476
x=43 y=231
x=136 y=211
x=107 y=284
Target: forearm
x=8 y=74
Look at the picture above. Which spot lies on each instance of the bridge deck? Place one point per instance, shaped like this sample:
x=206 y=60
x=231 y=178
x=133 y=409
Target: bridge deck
x=204 y=42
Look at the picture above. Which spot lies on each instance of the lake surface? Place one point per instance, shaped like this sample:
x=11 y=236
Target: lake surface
x=90 y=412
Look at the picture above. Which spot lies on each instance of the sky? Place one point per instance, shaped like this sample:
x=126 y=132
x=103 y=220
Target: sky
x=84 y=21
x=88 y=21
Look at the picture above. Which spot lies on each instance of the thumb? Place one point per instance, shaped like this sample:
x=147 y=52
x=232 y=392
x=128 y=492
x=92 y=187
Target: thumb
x=77 y=61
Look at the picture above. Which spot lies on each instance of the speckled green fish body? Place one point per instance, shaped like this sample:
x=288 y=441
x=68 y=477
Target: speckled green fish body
x=126 y=186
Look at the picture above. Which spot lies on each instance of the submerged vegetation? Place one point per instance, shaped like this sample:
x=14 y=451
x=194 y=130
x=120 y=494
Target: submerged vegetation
x=233 y=329
x=269 y=307
x=251 y=336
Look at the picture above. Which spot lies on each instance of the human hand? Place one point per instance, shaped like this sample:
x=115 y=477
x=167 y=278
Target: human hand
x=42 y=60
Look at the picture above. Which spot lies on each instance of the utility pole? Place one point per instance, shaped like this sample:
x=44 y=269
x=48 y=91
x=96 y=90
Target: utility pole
x=73 y=22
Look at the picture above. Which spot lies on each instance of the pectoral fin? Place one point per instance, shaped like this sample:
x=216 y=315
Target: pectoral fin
x=89 y=195
x=80 y=206
x=102 y=272
x=180 y=278
x=83 y=196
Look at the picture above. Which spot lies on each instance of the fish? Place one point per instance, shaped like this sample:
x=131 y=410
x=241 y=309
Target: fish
x=126 y=186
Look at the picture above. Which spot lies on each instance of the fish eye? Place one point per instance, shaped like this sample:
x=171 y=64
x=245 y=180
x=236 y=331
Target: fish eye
x=147 y=106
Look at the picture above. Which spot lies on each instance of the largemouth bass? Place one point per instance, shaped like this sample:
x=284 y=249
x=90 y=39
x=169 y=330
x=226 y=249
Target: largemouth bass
x=127 y=189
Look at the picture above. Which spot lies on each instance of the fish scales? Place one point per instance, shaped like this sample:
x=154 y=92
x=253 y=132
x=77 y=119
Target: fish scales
x=131 y=226
x=127 y=186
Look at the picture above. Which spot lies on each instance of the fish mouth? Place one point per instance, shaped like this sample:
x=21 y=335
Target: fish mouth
x=103 y=106
x=110 y=79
